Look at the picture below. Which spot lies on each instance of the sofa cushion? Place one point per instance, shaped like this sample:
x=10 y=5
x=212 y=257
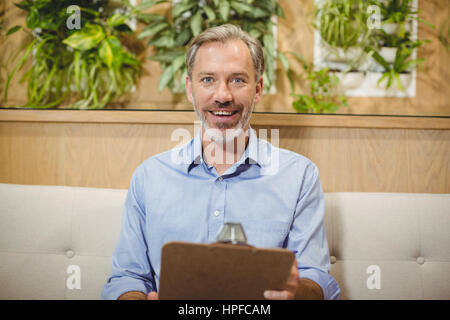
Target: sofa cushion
x=44 y=230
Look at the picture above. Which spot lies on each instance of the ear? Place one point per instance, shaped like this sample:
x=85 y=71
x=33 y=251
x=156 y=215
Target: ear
x=259 y=90
x=188 y=85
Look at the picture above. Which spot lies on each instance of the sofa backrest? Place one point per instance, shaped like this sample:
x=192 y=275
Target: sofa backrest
x=382 y=246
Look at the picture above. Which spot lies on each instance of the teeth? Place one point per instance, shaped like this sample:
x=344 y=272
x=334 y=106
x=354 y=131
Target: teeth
x=222 y=113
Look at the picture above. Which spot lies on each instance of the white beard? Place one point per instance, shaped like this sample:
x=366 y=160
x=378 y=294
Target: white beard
x=229 y=135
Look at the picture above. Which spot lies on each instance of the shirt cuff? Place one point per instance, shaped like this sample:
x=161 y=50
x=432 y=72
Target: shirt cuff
x=115 y=287
x=330 y=287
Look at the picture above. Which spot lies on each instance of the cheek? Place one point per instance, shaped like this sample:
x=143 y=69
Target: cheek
x=202 y=96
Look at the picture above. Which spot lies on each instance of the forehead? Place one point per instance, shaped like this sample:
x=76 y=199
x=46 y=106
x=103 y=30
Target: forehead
x=231 y=56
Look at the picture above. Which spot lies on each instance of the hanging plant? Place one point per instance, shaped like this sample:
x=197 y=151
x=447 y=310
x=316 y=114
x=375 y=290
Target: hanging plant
x=89 y=65
x=397 y=36
x=170 y=33
x=322 y=96
x=342 y=23
x=403 y=63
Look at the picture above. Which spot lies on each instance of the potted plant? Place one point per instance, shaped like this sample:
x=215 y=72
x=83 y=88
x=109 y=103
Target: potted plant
x=400 y=71
x=342 y=26
x=398 y=16
x=323 y=94
x=87 y=66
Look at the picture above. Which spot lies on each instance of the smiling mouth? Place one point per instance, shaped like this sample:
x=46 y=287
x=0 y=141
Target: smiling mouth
x=222 y=113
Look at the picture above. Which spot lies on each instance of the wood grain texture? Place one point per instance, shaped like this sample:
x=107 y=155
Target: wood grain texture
x=259 y=119
x=295 y=33
x=106 y=155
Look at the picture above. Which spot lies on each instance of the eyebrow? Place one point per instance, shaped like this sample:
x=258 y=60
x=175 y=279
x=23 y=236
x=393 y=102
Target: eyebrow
x=234 y=74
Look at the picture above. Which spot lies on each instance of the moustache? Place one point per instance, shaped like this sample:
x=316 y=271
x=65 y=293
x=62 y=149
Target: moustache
x=226 y=105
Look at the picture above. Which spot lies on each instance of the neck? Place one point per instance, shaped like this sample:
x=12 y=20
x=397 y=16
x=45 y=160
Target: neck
x=224 y=153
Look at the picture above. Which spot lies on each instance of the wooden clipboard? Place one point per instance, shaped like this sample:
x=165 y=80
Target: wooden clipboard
x=191 y=271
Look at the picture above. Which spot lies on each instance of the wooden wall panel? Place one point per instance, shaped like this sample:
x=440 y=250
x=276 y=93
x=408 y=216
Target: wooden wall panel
x=105 y=155
x=429 y=155
x=32 y=152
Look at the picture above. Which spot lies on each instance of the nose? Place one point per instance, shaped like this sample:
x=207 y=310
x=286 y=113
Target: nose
x=222 y=94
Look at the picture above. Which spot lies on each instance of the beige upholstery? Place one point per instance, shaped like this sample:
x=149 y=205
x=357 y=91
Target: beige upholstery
x=46 y=229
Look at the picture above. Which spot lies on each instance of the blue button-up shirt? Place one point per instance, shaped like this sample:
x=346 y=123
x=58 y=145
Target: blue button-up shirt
x=175 y=196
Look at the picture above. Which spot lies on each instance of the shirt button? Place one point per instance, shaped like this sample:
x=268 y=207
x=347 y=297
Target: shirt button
x=216 y=213
x=220 y=178
x=70 y=254
x=420 y=260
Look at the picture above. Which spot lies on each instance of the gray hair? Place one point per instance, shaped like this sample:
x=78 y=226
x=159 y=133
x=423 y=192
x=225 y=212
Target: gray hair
x=223 y=34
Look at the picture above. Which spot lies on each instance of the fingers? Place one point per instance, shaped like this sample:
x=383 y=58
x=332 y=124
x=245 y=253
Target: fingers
x=152 y=296
x=276 y=295
x=289 y=290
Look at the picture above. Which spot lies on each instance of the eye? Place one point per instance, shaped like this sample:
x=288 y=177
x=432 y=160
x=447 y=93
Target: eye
x=237 y=80
x=207 y=80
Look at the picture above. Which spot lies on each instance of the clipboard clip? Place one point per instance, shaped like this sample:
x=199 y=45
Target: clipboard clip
x=232 y=233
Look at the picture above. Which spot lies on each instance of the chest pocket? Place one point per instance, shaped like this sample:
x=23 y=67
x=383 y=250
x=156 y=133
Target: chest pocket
x=266 y=233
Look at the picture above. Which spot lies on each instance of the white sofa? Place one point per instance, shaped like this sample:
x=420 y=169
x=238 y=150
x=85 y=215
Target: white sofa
x=402 y=240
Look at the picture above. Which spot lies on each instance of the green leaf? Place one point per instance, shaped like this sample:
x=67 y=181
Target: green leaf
x=116 y=20
x=196 y=23
x=13 y=30
x=280 y=11
x=183 y=37
x=240 y=7
x=130 y=59
x=224 y=9
x=181 y=7
x=268 y=44
x=146 y=4
x=178 y=62
x=150 y=17
x=106 y=53
x=210 y=13
x=164 y=41
x=284 y=60
x=255 y=33
x=86 y=38
x=167 y=57
x=258 y=13
x=153 y=29
x=32 y=18
x=166 y=77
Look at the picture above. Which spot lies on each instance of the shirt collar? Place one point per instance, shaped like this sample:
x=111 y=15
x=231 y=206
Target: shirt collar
x=249 y=156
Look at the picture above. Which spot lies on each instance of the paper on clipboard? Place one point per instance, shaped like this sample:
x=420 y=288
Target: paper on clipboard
x=191 y=271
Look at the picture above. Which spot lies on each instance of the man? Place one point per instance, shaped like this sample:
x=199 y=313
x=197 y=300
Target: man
x=229 y=175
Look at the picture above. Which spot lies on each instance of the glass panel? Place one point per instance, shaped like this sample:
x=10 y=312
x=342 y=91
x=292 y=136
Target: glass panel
x=426 y=86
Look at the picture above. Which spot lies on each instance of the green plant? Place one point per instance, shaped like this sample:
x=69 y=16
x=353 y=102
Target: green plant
x=89 y=66
x=402 y=63
x=343 y=23
x=323 y=95
x=171 y=32
x=399 y=12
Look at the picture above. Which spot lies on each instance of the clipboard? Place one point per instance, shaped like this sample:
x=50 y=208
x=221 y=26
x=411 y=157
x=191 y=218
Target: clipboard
x=191 y=271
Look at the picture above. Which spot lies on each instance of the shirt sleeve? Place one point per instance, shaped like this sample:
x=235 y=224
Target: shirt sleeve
x=308 y=237
x=131 y=267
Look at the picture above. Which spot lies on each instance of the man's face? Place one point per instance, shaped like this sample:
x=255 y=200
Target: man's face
x=223 y=89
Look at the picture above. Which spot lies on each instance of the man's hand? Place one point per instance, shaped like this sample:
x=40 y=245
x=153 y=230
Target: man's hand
x=296 y=288
x=289 y=290
x=152 y=296
x=137 y=295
